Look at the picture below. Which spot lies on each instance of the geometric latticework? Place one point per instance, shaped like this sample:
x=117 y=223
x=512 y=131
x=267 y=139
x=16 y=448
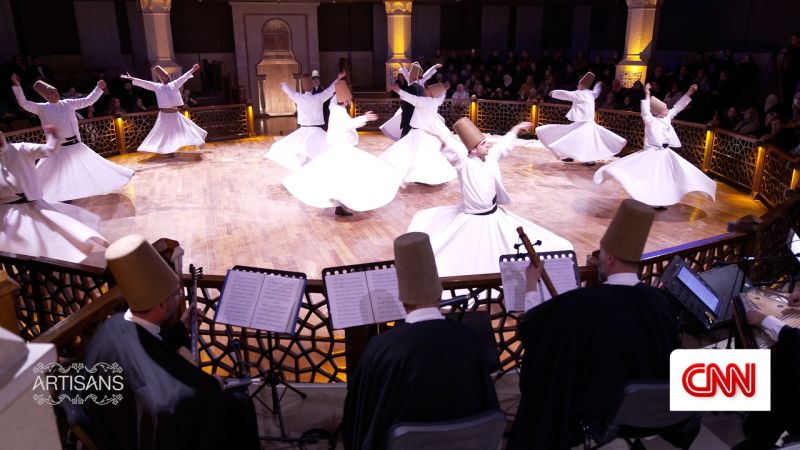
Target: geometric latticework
x=50 y=292
x=627 y=124
x=495 y=116
x=550 y=113
x=776 y=178
x=772 y=238
x=100 y=135
x=225 y=122
x=34 y=135
x=385 y=108
x=699 y=256
x=733 y=157
x=452 y=110
x=693 y=141
x=136 y=127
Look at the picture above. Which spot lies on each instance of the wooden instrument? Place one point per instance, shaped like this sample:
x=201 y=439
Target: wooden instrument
x=769 y=302
x=536 y=262
x=197 y=274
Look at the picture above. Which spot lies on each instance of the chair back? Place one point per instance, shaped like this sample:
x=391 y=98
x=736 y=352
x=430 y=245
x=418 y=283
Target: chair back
x=479 y=432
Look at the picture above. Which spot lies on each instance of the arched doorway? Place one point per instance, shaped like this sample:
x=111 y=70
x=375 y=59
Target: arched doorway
x=278 y=65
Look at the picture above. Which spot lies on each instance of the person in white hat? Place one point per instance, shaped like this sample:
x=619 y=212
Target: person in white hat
x=583 y=140
x=76 y=171
x=167 y=401
x=429 y=369
x=344 y=176
x=172 y=129
x=416 y=155
x=400 y=123
x=309 y=140
x=657 y=175
x=583 y=346
x=470 y=237
x=316 y=82
x=32 y=225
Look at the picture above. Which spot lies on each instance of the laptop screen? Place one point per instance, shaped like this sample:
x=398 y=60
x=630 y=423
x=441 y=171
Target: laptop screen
x=690 y=280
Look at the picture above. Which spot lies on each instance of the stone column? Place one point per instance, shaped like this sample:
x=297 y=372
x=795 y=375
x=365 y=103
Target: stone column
x=398 y=25
x=158 y=34
x=639 y=39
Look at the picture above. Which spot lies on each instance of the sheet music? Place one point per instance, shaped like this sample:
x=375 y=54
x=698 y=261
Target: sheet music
x=385 y=295
x=277 y=303
x=239 y=298
x=348 y=299
x=512 y=273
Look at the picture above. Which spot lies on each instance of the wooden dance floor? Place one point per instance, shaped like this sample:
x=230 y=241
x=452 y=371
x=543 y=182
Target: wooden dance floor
x=226 y=206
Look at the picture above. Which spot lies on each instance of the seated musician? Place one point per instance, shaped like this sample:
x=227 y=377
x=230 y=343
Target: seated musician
x=584 y=346
x=763 y=428
x=426 y=370
x=167 y=402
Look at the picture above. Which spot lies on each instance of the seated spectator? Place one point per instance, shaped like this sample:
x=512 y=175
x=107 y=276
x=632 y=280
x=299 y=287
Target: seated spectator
x=461 y=95
x=749 y=124
x=139 y=106
x=628 y=104
x=526 y=87
x=780 y=137
x=610 y=101
x=722 y=95
x=673 y=95
x=729 y=120
x=428 y=369
x=619 y=91
x=684 y=78
x=72 y=93
x=127 y=98
x=115 y=108
x=771 y=104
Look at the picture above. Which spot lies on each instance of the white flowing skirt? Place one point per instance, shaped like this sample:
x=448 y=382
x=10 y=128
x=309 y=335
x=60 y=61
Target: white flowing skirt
x=76 y=171
x=171 y=132
x=417 y=157
x=298 y=148
x=345 y=176
x=657 y=177
x=391 y=128
x=466 y=244
x=52 y=230
x=581 y=141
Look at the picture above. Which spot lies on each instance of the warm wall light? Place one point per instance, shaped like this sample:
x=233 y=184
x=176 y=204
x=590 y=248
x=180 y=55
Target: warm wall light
x=759 y=172
x=251 y=130
x=627 y=74
x=708 y=150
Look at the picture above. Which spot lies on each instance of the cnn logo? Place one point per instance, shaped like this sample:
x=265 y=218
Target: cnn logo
x=720 y=380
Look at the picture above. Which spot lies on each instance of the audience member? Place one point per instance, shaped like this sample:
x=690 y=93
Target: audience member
x=749 y=124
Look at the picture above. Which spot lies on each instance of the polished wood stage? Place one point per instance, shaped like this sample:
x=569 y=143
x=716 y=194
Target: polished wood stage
x=226 y=206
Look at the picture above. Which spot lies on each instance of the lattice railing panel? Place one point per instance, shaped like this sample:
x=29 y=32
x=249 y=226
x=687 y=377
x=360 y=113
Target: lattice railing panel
x=550 y=113
x=100 y=135
x=221 y=122
x=452 y=110
x=626 y=124
x=136 y=127
x=733 y=158
x=776 y=177
x=780 y=225
x=693 y=141
x=496 y=116
x=35 y=135
x=384 y=108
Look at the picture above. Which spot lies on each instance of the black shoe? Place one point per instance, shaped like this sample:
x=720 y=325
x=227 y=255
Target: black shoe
x=567 y=160
x=660 y=208
x=340 y=211
x=588 y=164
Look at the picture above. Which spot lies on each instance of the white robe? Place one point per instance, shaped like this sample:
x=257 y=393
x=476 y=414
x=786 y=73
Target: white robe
x=416 y=156
x=171 y=130
x=344 y=175
x=583 y=140
x=39 y=228
x=656 y=175
x=465 y=243
x=391 y=128
x=307 y=142
x=76 y=171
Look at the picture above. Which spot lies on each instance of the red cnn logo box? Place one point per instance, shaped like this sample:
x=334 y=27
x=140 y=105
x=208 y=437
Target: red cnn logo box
x=719 y=380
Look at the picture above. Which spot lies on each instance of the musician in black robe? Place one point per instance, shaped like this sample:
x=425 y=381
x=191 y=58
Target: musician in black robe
x=317 y=89
x=427 y=370
x=167 y=402
x=763 y=428
x=584 y=346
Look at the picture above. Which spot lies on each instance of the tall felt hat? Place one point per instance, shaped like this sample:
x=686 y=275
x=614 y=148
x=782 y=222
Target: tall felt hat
x=587 y=80
x=416 y=71
x=343 y=92
x=470 y=135
x=145 y=278
x=305 y=82
x=657 y=107
x=417 y=278
x=44 y=89
x=627 y=233
x=315 y=73
x=435 y=90
x=160 y=70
